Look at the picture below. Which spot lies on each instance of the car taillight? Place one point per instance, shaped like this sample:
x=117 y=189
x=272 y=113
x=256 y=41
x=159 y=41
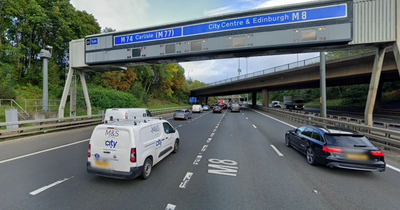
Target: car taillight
x=133 y=155
x=332 y=149
x=174 y=113
x=377 y=153
x=88 y=152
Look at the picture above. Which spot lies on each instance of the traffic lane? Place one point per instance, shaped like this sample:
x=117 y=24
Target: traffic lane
x=26 y=145
x=240 y=170
x=344 y=188
x=101 y=191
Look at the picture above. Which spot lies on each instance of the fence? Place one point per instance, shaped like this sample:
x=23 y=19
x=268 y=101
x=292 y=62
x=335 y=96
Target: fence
x=12 y=104
x=35 y=105
x=28 y=127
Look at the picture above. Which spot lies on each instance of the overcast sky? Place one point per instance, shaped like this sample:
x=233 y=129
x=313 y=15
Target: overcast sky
x=131 y=14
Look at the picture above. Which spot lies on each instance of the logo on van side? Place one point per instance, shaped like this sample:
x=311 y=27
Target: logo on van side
x=112 y=133
x=111 y=143
x=155 y=128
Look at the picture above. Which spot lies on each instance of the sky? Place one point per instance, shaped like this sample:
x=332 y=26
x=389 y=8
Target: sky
x=133 y=14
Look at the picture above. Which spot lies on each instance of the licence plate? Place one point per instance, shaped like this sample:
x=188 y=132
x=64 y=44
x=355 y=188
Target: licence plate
x=101 y=163
x=178 y=115
x=357 y=156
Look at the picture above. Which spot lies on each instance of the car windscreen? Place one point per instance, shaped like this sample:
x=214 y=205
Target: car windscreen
x=348 y=141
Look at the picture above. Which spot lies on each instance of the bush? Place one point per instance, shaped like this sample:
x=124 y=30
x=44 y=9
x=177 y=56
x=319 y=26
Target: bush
x=7 y=92
x=107 y=98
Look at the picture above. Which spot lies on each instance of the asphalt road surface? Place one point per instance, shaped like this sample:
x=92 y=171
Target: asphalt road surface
x=225 y=161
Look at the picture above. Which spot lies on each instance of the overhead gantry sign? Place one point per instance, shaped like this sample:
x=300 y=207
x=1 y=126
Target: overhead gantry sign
x=302 y=25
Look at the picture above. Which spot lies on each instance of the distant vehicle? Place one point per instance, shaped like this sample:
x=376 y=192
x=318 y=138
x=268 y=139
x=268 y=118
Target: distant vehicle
x=293 y=102
x=336 y=147
x=119 y=114
x=197 y=108
x=217 y=109
x=276 y=104
x=182 y=114
x=206 y=108
x=235 y=108
x=259 y=104
x=128 y=149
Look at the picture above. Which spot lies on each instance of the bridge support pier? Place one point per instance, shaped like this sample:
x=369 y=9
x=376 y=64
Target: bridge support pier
x=396 y=51
x=373 y=86
x=254 y=99
x=265 y=97
x=206 y=100
x=200 y=100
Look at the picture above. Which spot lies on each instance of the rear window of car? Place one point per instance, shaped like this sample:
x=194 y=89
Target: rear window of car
x=179 y=110
x=347 y=141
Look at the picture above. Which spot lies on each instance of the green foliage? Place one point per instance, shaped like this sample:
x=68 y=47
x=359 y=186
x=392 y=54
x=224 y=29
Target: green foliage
x=107 y=98
x=7 y=92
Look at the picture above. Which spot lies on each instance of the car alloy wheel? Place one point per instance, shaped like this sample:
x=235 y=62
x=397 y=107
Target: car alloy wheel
x=310 y=156
x=147 y=167
x=287 y=141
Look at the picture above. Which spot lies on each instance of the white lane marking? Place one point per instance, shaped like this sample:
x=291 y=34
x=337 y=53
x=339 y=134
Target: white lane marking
x=274 y=119
x=179 y=126
x=197 y=161
x=46 y=150
x=215 y=130
x=208 y=140
x=254 y=126
x=247 y=118
x=204 y=148
x=212 y=134
x=170 y=118
x=170 y=207
x=276 y=150
x=392 y=167
x=49 y=186
x=186 y=180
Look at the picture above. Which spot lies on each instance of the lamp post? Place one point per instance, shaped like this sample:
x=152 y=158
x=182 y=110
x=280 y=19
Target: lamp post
x=45 y=54
x=247 y=72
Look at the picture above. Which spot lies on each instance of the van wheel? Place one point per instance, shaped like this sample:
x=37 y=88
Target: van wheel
x=147 y=167
x=176 y=146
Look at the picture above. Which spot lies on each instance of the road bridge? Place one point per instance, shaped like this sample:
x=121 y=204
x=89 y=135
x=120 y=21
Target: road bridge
x=296 y=28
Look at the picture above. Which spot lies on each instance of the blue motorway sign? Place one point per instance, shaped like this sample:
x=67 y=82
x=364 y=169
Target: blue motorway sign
x=192 y=99
x=148 y=36
x=94 y=41
x=304 y=15
x=272 y=19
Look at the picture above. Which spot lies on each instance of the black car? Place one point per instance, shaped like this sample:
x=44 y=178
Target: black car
x=336 y=147
x=217 y=109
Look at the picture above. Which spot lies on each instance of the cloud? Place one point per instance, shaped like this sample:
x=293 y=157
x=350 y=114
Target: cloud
x=122 y=14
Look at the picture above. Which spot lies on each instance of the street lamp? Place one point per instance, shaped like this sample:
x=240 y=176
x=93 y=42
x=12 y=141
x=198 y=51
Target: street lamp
x=45 y=54
x=188 y=74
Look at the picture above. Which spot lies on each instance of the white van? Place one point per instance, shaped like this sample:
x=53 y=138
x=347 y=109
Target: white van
x=119 y=114
x=197 y=108
x=129 y=149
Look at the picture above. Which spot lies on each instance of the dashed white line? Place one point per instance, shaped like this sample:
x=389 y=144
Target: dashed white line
x=170 y=207
x=197 y=161
x=204 y=148
x=49 y=186
x=186 y=180
x=276 y=150
x=209 y=140
x=247 y=118
x=212 y=134
x=254 y=126
x=215 y=130
x=46 y=150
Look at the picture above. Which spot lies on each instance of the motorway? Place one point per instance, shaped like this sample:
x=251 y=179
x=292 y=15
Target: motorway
x=225 y=161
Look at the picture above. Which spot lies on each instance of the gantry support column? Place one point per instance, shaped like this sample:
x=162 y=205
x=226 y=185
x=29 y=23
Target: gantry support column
x=373 y=86
x=254 y=99
x=396 y=45
x=85 y=93
x=322 y=84
x=206 y=100
x=200 y=100
x=65 y=93
x=265 y=97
